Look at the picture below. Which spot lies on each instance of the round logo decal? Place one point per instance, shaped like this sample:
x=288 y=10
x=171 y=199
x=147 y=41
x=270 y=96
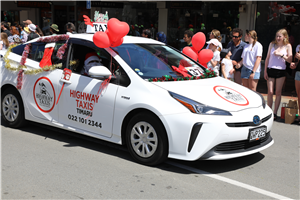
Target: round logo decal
x=231 y=95
x=44 y=94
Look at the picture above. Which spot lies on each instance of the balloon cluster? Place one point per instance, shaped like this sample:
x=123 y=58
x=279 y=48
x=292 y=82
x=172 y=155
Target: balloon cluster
x=203 y=56
x=113 y=36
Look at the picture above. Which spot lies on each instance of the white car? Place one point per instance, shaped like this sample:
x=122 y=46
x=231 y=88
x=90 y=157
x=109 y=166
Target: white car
x=209 y=118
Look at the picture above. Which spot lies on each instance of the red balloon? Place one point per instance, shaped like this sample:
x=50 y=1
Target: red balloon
x=205 y=56
x=198 y=41
x=190 y=53
x=101 y=39
x=193 y=48
x=117 y=43
x=116 y=29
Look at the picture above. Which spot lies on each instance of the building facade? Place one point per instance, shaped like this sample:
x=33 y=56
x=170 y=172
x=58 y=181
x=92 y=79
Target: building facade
x=173 y=18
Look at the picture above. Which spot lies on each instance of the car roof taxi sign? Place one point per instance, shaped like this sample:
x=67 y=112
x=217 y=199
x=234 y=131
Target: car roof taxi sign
x=99 y=24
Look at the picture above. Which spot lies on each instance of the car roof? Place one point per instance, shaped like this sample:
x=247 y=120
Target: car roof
x=127 y=39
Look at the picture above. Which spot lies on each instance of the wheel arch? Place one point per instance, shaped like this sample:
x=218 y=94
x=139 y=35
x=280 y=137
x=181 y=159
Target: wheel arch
x=133 y=113
x=6 y=86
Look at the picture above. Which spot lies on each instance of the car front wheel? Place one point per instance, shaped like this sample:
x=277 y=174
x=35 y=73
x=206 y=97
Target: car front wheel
x=147 y=139
x=12 y=110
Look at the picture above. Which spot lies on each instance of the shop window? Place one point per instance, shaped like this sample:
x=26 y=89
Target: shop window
x=274 y=15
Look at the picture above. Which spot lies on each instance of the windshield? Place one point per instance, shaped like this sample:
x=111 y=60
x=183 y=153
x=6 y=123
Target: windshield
x=155 y=61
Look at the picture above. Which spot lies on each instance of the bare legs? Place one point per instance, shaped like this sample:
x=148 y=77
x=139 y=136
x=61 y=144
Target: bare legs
x=250 y=83
x=237 y=77
x=279 y=84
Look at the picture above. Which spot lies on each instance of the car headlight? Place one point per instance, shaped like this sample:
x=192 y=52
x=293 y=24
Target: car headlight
x=263 y=101
x=198 y=108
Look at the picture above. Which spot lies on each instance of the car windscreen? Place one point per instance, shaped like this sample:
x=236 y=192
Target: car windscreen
x=155 y=60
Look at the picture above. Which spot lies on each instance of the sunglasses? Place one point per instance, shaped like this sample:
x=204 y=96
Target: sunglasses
x=235 y=36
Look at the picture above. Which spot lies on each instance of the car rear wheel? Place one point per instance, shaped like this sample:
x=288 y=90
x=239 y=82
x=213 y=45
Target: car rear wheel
x=12 y=109
x=147 y=139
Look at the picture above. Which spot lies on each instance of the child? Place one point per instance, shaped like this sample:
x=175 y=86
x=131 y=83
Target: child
x=4 y=43
x=214 y=62
x=226 y=64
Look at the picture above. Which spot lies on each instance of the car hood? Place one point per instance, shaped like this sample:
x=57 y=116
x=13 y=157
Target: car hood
x=217 y=92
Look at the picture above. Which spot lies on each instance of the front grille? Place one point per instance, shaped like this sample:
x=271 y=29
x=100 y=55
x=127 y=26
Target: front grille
x=246 y=124
x=242 y=145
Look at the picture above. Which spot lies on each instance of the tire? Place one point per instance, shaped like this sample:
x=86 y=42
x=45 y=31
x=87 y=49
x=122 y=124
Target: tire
x=147 y=140
x=12 y=109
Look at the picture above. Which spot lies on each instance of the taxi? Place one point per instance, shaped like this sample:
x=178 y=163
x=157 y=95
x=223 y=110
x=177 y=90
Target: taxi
x=146 y=95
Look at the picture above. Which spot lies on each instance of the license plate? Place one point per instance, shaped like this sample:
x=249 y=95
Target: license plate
x=257 y=133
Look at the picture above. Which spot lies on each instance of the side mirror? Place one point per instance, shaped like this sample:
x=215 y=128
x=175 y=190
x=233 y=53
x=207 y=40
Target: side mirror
x=99 y=72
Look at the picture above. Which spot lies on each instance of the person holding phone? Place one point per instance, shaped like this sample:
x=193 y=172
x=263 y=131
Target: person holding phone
x=279 y=52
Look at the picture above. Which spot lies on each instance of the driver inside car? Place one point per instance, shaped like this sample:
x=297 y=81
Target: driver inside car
x=91 y=59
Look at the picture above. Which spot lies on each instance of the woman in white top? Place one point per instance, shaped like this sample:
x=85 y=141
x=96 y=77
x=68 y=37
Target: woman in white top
x=251 y=58
x=215 y=34
x=4 y=43
x=280 y=50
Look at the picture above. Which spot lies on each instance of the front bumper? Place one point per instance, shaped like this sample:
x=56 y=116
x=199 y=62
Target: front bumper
x=217 y=137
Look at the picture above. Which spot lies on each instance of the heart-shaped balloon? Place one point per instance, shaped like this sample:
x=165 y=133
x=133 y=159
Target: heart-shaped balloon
x=198 y=41
x=116 y=29
x=117 y=43
x=101 y=39
x=204 y=56
x=190 y=53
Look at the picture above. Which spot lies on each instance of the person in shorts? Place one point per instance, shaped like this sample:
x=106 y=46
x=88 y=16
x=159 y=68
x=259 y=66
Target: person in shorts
x=251 y=58
x=280 y=51
x=236 y=46
x=296 y=65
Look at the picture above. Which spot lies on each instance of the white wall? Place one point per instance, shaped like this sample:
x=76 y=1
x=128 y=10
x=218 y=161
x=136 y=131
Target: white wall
x=247 y=18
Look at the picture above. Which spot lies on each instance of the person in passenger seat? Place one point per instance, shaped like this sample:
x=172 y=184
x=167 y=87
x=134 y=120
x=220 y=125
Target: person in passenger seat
x=91 y=60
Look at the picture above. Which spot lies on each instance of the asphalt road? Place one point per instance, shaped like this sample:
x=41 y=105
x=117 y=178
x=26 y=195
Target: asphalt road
x=39 y=163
